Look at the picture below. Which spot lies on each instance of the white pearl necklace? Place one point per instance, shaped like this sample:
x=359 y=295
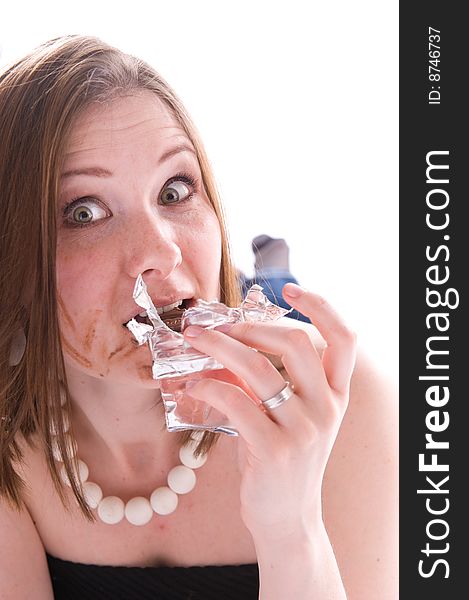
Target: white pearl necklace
x=139 y=510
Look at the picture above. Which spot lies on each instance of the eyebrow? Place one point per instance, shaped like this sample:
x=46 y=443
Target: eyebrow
x=101 y=172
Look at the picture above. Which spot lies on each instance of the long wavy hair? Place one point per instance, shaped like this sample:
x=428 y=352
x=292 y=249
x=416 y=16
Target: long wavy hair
x=41 y=97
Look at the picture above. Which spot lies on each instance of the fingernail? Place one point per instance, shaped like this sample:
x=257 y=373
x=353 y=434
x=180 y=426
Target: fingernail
x=293 y=290
x=193 y=331
x=224 y=328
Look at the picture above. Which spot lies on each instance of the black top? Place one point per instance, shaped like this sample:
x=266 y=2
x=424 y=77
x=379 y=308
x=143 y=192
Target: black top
x=76 y=581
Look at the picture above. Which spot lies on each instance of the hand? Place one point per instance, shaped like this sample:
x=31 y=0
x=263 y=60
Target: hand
x=282 y=453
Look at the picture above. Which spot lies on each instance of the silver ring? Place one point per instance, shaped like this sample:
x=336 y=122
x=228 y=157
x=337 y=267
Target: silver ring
x=284 y=395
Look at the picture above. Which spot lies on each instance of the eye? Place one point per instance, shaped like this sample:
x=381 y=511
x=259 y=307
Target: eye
x=177 y=189
x=83 y=211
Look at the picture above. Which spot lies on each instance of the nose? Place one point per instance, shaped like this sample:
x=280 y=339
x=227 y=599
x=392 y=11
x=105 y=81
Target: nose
x=153 y=249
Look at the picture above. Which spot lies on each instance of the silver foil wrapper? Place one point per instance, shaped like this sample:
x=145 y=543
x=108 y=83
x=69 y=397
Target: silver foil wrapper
x=178 y=366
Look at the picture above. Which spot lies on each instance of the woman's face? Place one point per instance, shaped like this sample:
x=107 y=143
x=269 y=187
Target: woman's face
x=127 y=206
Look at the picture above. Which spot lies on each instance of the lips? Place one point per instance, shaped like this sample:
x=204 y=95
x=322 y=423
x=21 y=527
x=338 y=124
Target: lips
x=170 y=313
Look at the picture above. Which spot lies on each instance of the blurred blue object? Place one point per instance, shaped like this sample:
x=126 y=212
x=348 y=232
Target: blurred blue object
x=272 y=283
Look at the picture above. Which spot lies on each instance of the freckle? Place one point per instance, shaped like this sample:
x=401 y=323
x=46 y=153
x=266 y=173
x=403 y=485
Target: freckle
x=162 y=526
x=101 y=374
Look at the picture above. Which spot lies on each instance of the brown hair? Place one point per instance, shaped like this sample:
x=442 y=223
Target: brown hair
x=40 y=98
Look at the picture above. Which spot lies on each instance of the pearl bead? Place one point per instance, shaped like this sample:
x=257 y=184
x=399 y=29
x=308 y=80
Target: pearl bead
x=189 y=460
x=181 y=479
x=111 y=510
x=138 y=511
x=83 y=472
x=93 y=494
x=164 y=501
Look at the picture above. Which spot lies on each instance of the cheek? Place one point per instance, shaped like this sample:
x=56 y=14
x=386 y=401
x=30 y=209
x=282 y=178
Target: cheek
x=79 y=282
x=202 y=250
x=89 y=339
x=82 y=300
x=85 y=268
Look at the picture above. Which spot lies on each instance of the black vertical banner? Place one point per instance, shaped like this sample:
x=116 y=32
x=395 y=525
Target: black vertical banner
x=434 y=356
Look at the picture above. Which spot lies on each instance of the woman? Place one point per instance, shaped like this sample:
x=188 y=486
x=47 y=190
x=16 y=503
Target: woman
x=103 y=177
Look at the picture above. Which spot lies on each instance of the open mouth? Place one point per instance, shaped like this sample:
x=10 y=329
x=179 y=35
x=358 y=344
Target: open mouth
x=171 y=314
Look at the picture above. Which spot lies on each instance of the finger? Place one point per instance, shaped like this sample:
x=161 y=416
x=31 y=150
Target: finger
x=252 y=424
x=262 y=377
x=339 y=355
x=294 y=345
x=252 y=366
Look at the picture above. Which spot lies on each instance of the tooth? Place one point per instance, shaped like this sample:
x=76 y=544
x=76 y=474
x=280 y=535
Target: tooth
x=143 y=314
x=163 y=309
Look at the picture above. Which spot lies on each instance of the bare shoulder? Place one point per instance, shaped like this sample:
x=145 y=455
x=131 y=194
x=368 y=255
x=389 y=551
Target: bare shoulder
x=360 y=492
x=21 y=553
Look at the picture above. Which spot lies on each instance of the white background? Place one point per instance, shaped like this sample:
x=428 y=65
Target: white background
x=297 y=104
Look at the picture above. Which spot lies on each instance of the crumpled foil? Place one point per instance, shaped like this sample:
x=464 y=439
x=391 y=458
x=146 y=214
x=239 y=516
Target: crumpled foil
x=179 y=366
